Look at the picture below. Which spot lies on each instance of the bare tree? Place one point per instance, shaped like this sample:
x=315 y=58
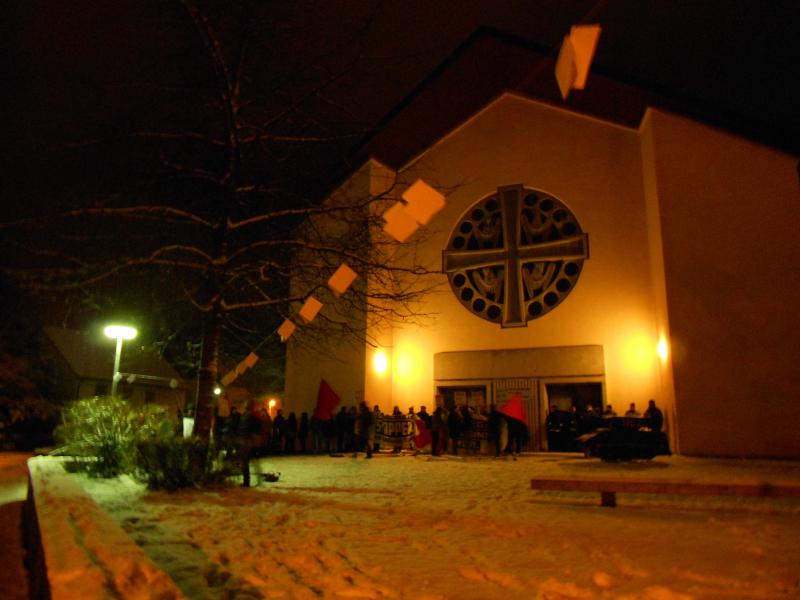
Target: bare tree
x=214 y=193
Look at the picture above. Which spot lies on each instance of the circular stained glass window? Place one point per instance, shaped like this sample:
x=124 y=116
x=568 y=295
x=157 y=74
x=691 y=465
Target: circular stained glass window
x=515 y=255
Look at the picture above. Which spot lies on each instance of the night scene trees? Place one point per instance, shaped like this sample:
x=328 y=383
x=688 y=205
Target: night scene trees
x=186 y=177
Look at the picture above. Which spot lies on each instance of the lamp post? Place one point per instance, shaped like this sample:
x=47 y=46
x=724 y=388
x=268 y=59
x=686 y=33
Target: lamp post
x=119 y=333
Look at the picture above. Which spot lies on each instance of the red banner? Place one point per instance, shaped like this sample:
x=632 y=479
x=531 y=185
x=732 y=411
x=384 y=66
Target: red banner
x=513 y=408
x=423 y=437
x=327 y=401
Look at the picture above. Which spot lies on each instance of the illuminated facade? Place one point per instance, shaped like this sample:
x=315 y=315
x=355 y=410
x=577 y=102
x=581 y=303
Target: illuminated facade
x=587 y=261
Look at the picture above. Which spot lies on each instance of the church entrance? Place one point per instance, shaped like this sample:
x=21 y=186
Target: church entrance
x=473 y=396
x=566 y=376
x=572 y=410
x=454 y=397
x=580 y=396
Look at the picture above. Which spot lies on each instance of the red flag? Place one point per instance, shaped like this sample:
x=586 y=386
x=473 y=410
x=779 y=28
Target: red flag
x=423 y=437
x=327 y=401
x=513 y=408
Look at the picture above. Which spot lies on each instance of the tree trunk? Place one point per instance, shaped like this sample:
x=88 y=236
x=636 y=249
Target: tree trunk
x=207 y=375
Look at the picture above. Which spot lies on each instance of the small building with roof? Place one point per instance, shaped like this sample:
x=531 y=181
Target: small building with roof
x=84 y=366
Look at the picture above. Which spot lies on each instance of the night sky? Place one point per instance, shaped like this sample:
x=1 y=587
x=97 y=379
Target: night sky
x=82 y=75
x=71 y=65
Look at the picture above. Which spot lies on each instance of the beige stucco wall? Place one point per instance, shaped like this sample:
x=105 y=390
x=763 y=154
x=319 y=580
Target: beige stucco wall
x=730 y=216
x=594 y=168
x=339 y=362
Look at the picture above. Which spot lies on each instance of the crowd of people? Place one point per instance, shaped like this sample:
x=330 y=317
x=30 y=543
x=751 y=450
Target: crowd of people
x=564 y=427
x=354 y=429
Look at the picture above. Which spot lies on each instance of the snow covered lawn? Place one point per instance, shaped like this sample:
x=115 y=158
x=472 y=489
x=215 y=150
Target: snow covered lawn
x=428 y=528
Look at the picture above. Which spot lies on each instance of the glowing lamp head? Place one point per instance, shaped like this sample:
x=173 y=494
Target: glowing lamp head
x=380 y=362
x=120 y=332
x=272 y=403
x=217 y=391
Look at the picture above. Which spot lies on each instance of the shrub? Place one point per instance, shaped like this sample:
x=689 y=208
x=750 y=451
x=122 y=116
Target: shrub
x=108 y=437
x=102 y=433
x=173 y=463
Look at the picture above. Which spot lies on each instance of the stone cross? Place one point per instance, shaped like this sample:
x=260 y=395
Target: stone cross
x=514 y=254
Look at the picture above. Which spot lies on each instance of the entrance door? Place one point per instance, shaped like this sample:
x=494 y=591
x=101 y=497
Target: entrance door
x=579 y=395
x=577 y=410
x=525 y=389
x=454 y=397
x=473 y=396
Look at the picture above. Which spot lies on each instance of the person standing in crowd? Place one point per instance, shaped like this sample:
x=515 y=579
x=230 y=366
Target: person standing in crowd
x=437 y=424
x=654 y=415
x=557 y=430
x=341 y=429
x=315 y=425
x=517 y=436
x=632 y=412
x=589 y=420
x=396 y=432
x=232 y=422
x=291 y=433
x=573 y=429
x=454 y=428
x=466 y=427
x=254 y=428
x=365 y=430
x=377 y=415
x=423 y=429
x=411 y=427
x=266 y=429
x=241 y=441
x=609 y=413
x=350 y=432
x=494 y=428
x=331 y=434
x=278 y=428
x=302 y=432
x=425 y=416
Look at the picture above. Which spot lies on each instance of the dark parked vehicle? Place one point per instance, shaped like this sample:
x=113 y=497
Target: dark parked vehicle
x=624 y=438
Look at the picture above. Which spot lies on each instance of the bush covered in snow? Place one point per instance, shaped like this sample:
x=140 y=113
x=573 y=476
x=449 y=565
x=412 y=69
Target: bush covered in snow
x=109 y=437
x=103 y=433
x=173 y=463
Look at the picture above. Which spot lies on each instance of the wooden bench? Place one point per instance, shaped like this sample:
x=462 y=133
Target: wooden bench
x=608 y=488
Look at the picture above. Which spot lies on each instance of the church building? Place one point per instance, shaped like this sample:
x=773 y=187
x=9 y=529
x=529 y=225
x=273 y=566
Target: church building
x=607 y=249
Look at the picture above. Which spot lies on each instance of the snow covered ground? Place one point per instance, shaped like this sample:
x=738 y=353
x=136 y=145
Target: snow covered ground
x=428 y=528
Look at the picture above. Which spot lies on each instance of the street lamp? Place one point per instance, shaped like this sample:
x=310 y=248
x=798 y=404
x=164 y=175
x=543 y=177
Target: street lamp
x=119 y=333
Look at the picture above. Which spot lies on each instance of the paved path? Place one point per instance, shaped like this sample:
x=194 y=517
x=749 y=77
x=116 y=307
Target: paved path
x=13 y=490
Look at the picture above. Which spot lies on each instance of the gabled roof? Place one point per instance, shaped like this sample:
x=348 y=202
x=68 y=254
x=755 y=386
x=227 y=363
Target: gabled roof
x=90 y=357
x=490 y=63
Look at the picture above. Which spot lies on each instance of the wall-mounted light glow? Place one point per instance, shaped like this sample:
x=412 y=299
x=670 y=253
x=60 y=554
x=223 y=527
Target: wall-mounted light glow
x=380 y=362
x=405 y=365
x=217 y=391
x=272 y=403
x=662 y=349
x=409 y=362
x=637 y=353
